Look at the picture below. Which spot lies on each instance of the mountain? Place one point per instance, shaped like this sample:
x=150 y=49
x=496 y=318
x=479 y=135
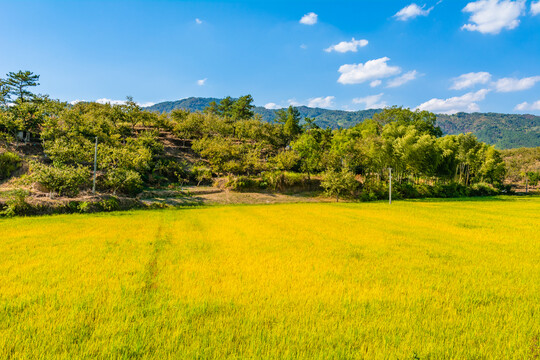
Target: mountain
x=505 y=131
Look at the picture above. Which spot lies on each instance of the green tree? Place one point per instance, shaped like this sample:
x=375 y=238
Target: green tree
x=290 y=122
x=19 y=82
x=242 y=108
x=4 y=93
x=339 y=182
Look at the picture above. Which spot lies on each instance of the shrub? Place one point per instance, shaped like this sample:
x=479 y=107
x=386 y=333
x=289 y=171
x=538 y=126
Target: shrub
x=109 y=204
x=128 y=182
x=16 y=203
x=339 y=183
x=83 y=207
x=63 y=179
x=9 y=162
x=202 y=174
x=374 y=191
x=244 y=183
x=482 y=189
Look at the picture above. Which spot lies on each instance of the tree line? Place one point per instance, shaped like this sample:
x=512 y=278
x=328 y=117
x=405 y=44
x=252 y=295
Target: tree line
x=227 y=140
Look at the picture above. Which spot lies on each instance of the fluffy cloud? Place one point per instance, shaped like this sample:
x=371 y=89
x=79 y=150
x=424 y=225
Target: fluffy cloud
x=375 y=83
x=405 y=78
x=201 y=82
x=371 y=102
x=372 y=70
x=309 y=19
x=346 y=46
x=198 y=21
x=491 y=16
x=535 y=8
x=412 y=11
x=272 y=106
x=513 y=84
x=524 y=106
x=321 y=102
x=466 y=103
x=470 y=79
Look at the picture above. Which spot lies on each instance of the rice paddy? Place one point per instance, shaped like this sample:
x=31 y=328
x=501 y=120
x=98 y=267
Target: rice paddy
x=414 y=280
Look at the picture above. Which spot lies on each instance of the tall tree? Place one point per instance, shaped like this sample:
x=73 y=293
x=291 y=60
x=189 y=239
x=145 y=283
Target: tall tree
x=290 y=121
x=4 y=93
x=242 y=108
x=19 y=82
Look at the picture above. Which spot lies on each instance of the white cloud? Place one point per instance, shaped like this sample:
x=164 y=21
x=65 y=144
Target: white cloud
x=524 y=106
x=371 y=102
x=146 y=104
x=272 y=106
x=321 y=102
x=491 y=16
x=303 y=46
x=198 y=21
x=346 y=46
x=309 y=19
x=371 y=70
x=513 y=84
x=535 y=8
x=412 y=11
x=470 y=79
x=201 y=82
x=405 y=78
x=109 y=101
x=293 y=102
x=464 y=103
x=375 y=83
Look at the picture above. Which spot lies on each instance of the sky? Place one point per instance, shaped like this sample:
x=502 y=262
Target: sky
x=442 y=56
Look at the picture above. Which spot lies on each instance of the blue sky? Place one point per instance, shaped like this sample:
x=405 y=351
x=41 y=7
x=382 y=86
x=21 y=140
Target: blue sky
x=443 y=56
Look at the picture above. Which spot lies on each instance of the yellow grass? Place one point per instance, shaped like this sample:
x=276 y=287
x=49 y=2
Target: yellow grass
x=428 y=280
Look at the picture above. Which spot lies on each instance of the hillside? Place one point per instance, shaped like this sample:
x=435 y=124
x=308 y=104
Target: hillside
x=505 y=131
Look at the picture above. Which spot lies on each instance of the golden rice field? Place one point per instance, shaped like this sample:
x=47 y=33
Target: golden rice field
x=415 y=280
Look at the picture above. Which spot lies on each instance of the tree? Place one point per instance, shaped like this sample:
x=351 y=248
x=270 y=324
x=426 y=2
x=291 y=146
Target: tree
x=309 y=151
x=19 y=82
x=290 y=122
x=242 y=108
x=339 y=182
x=4 y=93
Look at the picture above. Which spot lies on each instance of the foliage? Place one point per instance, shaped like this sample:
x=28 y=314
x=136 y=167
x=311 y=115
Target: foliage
x=125 y=181
x=63 y=179
x=9 y=162
x=339 y=183
x=505 y=131
x=16 y=203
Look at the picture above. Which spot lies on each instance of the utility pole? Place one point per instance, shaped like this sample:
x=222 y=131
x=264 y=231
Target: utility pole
x=390 y=186
x=95 y=169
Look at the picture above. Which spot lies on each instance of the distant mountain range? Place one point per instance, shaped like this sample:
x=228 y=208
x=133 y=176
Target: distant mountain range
x=505 y=131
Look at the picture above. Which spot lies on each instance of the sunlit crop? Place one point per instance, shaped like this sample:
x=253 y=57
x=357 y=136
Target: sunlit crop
x=426 y=279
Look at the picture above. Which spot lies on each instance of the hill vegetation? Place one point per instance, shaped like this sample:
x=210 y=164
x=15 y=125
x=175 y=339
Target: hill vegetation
x=505 y=131
x=228 y=144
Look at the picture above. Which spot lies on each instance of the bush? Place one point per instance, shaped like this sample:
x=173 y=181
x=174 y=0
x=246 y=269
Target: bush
x=63 y=179
x=339 y=183
x=482 y=189
x=16 y=203
x=9 y=162
x=374 y=191
x=127 y=182
x=245 y=183
x=109 y=204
